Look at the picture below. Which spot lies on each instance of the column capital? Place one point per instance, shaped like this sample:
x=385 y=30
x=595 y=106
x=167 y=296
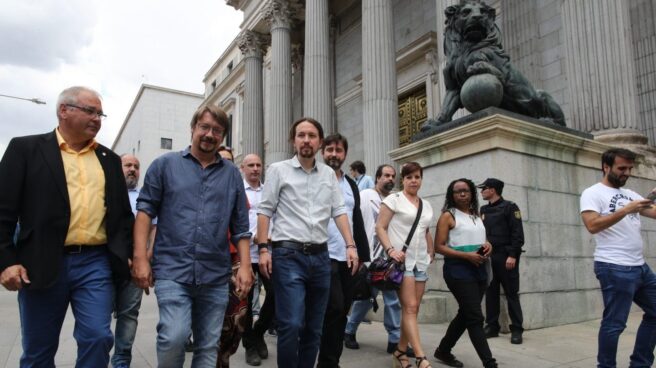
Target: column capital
x=251 y=44
x=278 y=13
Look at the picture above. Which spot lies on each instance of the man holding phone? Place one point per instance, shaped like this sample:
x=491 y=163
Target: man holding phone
x=612 y=214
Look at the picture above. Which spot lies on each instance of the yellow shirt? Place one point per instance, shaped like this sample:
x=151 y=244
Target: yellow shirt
x=85 y=180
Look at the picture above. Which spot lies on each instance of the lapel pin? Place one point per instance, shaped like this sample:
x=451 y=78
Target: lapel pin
x=104 y=153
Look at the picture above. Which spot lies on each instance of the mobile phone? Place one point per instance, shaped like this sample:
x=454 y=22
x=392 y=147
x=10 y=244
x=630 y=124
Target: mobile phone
x=481 y=250
x=652 y=196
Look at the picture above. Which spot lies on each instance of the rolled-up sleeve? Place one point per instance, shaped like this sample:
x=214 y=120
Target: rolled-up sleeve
x=150 y=195
x=337 y=206
x=239 y=224
x=270 y=193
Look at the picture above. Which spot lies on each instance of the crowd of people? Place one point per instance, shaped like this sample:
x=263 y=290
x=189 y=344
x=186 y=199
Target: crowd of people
x=205 y=233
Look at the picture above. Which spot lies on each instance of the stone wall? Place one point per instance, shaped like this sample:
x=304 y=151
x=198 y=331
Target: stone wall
x=545 y=171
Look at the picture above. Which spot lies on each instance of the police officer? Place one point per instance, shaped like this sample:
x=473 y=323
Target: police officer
x=503 y=225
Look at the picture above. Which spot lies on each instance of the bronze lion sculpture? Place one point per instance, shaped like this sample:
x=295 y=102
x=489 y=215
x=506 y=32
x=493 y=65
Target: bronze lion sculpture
x=472 y=45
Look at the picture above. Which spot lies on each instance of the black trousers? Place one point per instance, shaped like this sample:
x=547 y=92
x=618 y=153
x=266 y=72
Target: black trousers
x=469 y=295
x=254 y=332
x=509 y=280
x=334 y=322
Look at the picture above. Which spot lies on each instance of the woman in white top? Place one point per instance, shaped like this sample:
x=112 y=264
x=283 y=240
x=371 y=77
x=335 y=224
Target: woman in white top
x=461 y=239
x=397 y=214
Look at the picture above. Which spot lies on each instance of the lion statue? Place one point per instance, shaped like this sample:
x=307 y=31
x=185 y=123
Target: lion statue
x=472 y=45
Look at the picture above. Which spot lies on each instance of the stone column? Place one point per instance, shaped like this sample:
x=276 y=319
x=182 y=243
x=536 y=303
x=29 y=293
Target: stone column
x=250 y=44
x=380 y=116
x=278 y=14
x=601 y=73
x=316 y=83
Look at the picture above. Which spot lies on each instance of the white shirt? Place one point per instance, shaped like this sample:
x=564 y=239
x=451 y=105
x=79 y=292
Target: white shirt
x=336 y=243
x=399 y=228
x=303 y=201
x=469 y=233
x=254 y=197
x=621 y=243
x=370 y=207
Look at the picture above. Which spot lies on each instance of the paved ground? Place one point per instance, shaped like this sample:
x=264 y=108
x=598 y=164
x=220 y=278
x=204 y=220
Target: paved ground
x=564 y=346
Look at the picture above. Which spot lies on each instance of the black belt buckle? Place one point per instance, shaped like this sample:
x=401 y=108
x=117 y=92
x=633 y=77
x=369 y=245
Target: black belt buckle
x=73 y=249
x=307 y=249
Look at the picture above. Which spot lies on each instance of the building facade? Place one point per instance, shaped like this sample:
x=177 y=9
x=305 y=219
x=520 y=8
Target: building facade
x=371 y=69
x=158 y=122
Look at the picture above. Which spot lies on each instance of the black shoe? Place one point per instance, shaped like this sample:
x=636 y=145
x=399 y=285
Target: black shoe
x=351 y=343
x=262 y=349
x=491 y=332
x=447 y=358
x=189 y=345
x=252 y=357
x=491 y=364
x=516 y=337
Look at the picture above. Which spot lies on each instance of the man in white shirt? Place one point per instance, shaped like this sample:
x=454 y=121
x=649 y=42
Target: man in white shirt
x=304 y=195
x=253 y=337
x=612 y=214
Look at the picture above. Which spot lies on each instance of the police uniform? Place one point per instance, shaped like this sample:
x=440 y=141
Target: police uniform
x=503 y=226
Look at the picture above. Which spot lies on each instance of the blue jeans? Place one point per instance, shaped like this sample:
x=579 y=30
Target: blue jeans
x=126 y=306
x=84 y=281
x=187 y=307
x=620 y=286
x=301 y=285
x=391 y=317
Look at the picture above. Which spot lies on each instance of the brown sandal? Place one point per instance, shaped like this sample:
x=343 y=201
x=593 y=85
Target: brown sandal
x=399 y=359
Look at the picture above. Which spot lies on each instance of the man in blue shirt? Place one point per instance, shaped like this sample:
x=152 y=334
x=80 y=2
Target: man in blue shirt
x=199 y=200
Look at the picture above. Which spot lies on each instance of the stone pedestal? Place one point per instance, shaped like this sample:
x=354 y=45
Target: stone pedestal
x=545 y=168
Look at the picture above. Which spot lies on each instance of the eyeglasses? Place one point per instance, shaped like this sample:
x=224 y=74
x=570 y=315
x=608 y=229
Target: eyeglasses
x=204 y=128
x=89 y=110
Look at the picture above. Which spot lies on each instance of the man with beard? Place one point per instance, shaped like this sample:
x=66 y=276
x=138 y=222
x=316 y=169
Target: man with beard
x=305 y=195
x=612 y=214
x=370 y=200
x=334 y=150
x=128 y=296
x=197 y=198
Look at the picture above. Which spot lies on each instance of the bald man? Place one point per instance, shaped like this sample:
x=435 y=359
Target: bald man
x=253 y=339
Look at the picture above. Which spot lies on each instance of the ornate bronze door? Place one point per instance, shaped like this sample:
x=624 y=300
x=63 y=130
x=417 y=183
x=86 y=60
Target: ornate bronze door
x=413 y=112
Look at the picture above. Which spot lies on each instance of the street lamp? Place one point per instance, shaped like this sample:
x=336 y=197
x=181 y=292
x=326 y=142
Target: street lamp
x=35 y=100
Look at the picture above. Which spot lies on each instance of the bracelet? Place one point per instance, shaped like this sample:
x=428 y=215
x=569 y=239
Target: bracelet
x=350 y=246
x=264 y=250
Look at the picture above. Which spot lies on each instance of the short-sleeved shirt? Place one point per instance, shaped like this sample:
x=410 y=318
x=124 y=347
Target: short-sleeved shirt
x=468 y=235
x=196 y=207
x=364 y=182
x=621 y=243
x=399 y=227
x=303 y=201
x=370 y=201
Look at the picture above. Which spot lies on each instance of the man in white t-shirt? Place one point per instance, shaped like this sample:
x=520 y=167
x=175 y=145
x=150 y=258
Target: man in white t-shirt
x=612 y=214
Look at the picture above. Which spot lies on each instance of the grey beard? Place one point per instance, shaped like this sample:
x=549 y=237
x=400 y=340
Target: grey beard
x=131 y=183
x=388 y=186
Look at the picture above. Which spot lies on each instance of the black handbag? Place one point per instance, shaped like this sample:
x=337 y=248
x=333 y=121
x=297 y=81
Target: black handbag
x=387 y=274
x=361 y=287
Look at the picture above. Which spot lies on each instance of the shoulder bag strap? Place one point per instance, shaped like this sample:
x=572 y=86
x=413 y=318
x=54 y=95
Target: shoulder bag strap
x=414 y=226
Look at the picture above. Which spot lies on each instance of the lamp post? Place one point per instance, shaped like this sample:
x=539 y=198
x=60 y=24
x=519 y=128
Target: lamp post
x=35 y=100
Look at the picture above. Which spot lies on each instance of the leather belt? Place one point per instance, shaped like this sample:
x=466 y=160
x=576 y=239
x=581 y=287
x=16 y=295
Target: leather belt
x=306 y=248
x=82 y=248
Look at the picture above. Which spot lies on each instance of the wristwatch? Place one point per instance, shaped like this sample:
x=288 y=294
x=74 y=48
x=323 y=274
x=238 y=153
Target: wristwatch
x=261 y=246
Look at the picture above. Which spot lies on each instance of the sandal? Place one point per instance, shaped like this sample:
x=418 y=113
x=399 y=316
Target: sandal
x=399 y=359
x=420 y=360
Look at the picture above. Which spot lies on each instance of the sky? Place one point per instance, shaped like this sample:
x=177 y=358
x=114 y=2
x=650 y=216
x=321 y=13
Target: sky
x=111 y=46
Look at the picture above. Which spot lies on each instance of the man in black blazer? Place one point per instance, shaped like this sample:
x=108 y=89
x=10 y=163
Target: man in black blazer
x=68 y=193
x=334 y=150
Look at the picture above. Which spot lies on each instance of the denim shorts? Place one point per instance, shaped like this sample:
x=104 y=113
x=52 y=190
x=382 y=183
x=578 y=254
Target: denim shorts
x=418 y=275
